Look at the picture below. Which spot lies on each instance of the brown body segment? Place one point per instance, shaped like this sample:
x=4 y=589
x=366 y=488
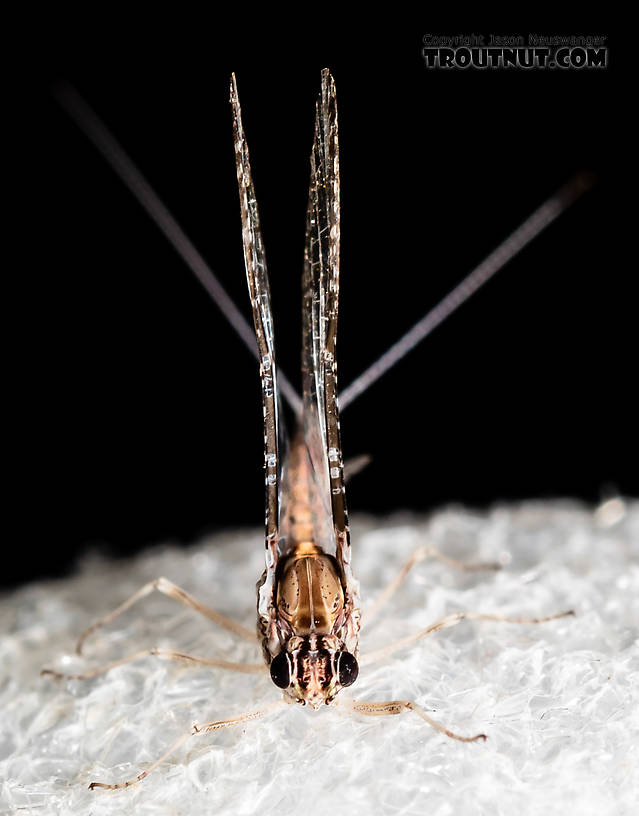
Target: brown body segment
x=309 y=593
x=305 y=515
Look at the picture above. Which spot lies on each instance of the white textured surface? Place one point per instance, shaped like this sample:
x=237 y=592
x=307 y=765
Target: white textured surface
x=558 y=701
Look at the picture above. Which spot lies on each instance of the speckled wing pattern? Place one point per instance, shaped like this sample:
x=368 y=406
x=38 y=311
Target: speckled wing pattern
x=320 y=287
x=259 y=292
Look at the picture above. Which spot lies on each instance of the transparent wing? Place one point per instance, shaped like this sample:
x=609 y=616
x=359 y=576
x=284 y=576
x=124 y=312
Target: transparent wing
x=257 y=278
x=320 y=304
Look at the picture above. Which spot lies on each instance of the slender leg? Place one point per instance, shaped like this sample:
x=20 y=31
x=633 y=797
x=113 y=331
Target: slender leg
x=419 y=555
x=163 y=654
x=173 y=591
x=445 y=623
x=207 y=728
x=399 y=707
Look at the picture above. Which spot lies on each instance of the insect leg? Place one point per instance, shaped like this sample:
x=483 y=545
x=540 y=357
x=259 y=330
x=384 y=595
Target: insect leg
x=446 y=622
x=207 y=728
x=173 y=591
x=163 y=654
x=419 y=555
x=399 y=707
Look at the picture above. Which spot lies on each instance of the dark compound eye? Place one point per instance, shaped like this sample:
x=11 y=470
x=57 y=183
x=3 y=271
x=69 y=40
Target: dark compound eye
x=347 y=669
x=281 y=671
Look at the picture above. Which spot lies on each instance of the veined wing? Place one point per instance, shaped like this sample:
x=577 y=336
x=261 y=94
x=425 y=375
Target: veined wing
x=320 y=304
x=257 y=278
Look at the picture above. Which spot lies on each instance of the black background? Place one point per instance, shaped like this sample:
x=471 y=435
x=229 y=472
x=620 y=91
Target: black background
x=139 y=416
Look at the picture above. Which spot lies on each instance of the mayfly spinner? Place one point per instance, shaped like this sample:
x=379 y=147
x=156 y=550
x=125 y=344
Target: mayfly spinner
x=308 y=607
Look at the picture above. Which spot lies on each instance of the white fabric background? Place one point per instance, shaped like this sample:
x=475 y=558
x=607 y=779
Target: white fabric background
x=558 y=701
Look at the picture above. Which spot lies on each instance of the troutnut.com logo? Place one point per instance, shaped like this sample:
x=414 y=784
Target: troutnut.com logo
x=514 y=51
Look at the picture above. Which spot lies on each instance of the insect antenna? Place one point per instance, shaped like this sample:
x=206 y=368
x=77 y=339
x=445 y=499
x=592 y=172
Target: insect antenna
x=542 y=217
x=119 y=161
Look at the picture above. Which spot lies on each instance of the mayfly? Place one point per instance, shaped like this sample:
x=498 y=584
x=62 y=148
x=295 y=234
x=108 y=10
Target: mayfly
x=308 y=603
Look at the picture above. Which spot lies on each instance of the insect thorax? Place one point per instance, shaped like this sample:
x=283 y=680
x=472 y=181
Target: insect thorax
x=309 y=633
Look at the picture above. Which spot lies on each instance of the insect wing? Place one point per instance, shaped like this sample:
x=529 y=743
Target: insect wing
x=320 y=287
x=259 y=292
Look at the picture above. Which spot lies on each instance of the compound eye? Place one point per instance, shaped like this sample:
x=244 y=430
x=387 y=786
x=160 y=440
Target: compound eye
x=347 y=669
x=281 y=670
